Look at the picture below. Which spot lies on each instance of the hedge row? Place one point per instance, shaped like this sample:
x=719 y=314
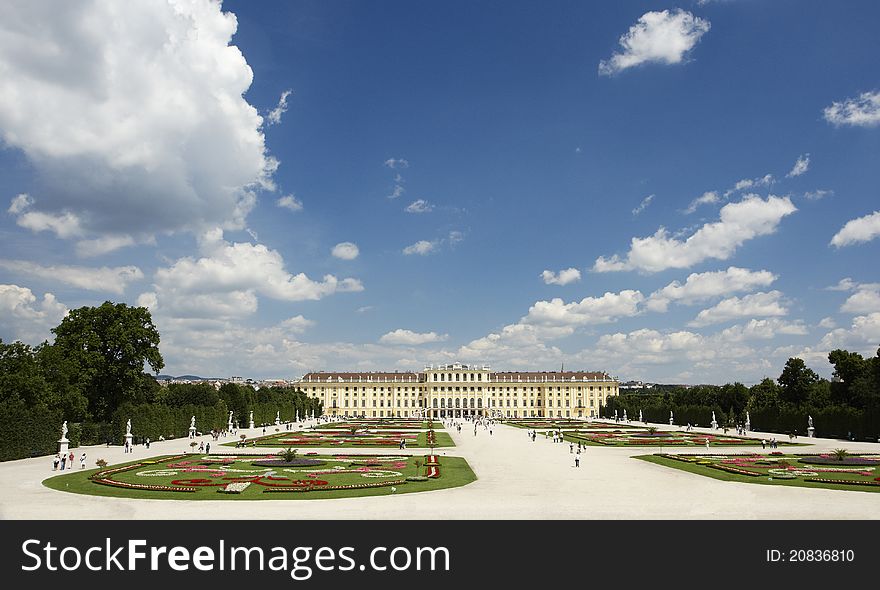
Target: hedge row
x=28 y=432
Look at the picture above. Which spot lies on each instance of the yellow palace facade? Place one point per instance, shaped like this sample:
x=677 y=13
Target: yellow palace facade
x=458 y=390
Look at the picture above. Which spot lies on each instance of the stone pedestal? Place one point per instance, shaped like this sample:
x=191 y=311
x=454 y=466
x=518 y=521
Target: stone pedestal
x=811 y=432
x=748 y=426
x=63 y=446
x=128 y=438
x=229 y=427
x=714 y=424
x=251 y=425
x=670 y=421
x=192 y=432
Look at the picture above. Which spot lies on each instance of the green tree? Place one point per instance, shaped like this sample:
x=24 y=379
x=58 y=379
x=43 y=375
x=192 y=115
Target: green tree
x=110 y=345
x=764 y=396
x=796 y=380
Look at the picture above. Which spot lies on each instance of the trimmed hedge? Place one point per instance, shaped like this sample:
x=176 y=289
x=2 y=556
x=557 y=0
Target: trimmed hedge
x=28 y=432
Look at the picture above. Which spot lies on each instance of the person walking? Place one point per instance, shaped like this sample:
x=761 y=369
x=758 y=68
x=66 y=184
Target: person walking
x=577 y=460
x=571 y=448
x=208 y=448
x=82 y=461
x=63 y=461
x=763 y=444
x=70 y=459
x=56 y=461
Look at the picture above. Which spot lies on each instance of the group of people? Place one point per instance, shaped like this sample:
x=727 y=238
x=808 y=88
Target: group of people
x=772 y=443
x=66 y=461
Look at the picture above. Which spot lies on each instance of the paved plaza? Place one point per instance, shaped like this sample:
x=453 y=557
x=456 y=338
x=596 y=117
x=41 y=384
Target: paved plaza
x=517 y=479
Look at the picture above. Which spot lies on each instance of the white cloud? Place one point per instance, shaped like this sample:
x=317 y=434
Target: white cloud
x=817 y=194
x=346 y=250
x=397 y=192
x=762 y=330
x=274 y=116
x=419 y=206
x=422 y=247
x=738 y=223
x=104 y=245
x=396 y=163
x=846 y=284
x=658 y=37
x=290 y=202
x=800 y=166
x=827 y=322
x=861 y=229
x=23 y=318
x=132 y=116
x=410 y=338
x=704 y=286
x=862 y=336
x=756 y=304
x=863 y=111
x=707 y=198
x=454 y=237
x=589 y=310
x=865 y=300
x=111 y=280
x=225 y=281
x=563 y=277
x=297 y=324
x=19 y=203
x=641 y=207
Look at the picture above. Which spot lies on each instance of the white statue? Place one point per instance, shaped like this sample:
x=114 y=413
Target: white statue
x=640 y=416
x=128 y=427
x=64 y=430
x=297 y=415
x=810 y=421
x=278 y=416
x=252 y=416
x=192 y=422
x=713 y=416
x=230 y=416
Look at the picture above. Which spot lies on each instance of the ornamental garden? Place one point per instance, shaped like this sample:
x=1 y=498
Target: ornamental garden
x=838 y=470
x=641 y=437
x=354 y=436
x=269 y=476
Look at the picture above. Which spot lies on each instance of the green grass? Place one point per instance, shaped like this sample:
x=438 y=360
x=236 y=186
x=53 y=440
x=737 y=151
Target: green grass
x=761 y=480
x=693 y=440
x=454 y=472
x=325 y=439
x=382 y=425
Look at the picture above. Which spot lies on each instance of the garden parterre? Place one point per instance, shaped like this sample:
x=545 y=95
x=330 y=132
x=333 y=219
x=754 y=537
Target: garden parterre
x=646 y=437
x=854 y=472
x=347 y=438
x=217 y=477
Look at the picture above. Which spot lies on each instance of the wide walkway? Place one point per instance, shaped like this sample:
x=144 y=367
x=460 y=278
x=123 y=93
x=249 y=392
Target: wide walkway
x=517 y=479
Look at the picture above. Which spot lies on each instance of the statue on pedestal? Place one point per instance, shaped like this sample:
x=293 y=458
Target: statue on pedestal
x=128 y=427
x=192 y=423
x=64 y=431
x=810 y=421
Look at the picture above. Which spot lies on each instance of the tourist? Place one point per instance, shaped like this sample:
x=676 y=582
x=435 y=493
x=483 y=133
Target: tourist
x=707 y=444
x=763 y=444
x=70 y=459
x=56 y=461
x=63 y=461
x=202 y=447
x=577 y=460
x=82 y=461
x=571 y=448
x=208 y=448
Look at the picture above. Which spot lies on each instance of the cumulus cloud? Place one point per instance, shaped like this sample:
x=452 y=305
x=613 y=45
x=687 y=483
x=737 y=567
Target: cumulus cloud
x=346 y=250
x=733 y=308
x=106 y=279
x=658 y=37
x=422 y=248
x=290 y=202
x=855 y=231
x=104 y=244
x=862 y=336
x=19 y=203
x=739 y=222
x=274 y=116
x=563 y=277
x=397 y=192
x=865 y=300
x=827 y=322
x=750 y=183
x=225 y=281
x=589 y=310
x=641 y=207
x=23 y=317
x=132 y=115
x=410 y=338
x=863 y=111
x=707 y=198
x=699 y=287
x=800 y=166
x=296 y=324
x=419 y=206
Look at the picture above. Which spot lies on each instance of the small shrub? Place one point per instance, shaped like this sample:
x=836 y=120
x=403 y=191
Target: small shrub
x=289 y=454
x=102 y=463
x=840 y=454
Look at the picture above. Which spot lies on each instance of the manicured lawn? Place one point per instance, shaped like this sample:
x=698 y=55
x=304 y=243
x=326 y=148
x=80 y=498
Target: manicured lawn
x=784 y=470
x=382 y=425
x=201 y=477
x=345 y=439
x=551 y=423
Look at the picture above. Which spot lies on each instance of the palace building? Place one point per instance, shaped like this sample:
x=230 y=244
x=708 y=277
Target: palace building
x=458 y=390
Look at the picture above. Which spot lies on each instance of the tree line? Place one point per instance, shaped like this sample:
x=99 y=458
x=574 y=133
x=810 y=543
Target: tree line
x=93 y=377
x=847 y=406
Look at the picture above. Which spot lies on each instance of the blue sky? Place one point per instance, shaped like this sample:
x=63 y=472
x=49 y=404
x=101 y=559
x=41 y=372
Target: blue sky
x=668 y=191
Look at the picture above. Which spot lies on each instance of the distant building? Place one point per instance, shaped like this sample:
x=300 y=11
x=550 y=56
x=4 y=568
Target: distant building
x=458 y=390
